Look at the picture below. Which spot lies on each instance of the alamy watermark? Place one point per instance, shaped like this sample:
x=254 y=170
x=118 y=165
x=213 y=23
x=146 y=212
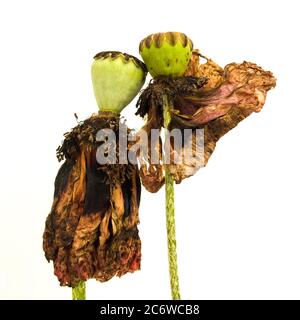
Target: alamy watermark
x=180 y=146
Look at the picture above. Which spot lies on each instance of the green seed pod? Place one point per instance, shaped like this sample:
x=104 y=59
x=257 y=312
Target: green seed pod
x=117 y=78
x=166 y=54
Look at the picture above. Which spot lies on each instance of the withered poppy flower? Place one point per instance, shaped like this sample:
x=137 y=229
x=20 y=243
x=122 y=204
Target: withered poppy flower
x=91 y=231
x=206 y=97
x=182 y=95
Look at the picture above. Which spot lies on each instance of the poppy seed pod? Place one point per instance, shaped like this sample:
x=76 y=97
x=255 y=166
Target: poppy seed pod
x=117 y=78
x=166 y=54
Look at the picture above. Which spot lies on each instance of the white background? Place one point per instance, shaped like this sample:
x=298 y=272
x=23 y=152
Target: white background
x=237 y=220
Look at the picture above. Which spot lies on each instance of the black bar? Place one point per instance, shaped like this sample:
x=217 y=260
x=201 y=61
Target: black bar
x=158 y=309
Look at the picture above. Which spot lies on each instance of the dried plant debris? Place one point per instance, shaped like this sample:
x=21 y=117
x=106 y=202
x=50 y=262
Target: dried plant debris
x=207 y=97
x=91 y=231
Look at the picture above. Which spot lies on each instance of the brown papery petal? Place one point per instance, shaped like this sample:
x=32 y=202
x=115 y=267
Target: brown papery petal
x=91 y=231
x=209 y=69
x=151 y=174
x=240 y=90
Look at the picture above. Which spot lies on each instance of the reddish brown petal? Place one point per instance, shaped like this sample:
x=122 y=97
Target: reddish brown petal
x=240 y=90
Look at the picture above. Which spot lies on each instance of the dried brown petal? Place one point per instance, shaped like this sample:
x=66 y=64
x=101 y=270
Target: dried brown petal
x=191 y=157
x=209 y=69
x=94 y=215
x=152 y=177
x=151 y=174
x=242 y=91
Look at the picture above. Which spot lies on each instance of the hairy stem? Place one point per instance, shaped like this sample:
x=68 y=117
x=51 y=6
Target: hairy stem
x=170 y=216
x=78 y=293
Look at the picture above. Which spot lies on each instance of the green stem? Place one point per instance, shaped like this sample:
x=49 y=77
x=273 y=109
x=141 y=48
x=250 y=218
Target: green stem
x=170 y=216
x=78 y=293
